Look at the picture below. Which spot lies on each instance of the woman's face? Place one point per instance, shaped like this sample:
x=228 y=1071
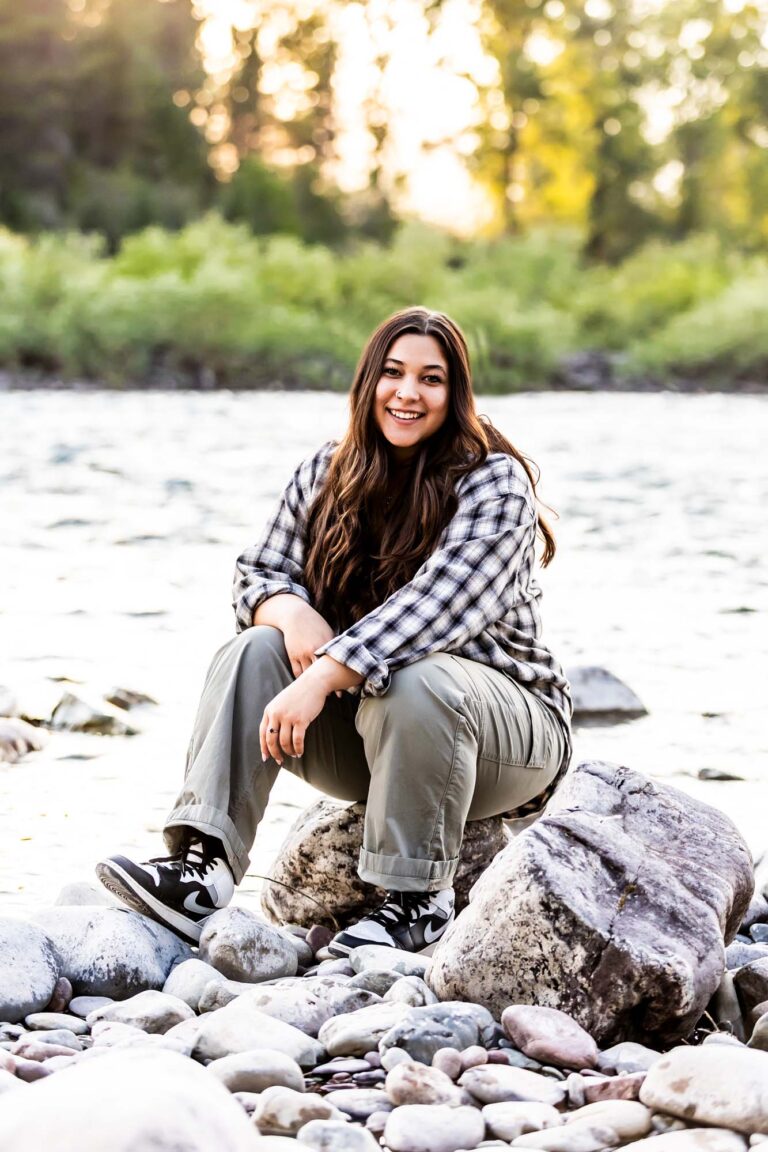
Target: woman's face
x=411 y=401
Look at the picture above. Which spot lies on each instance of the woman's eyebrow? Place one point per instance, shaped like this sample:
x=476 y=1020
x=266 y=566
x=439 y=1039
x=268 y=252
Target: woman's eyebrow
x=394 y=361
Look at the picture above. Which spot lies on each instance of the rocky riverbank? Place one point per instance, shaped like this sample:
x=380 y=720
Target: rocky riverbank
x=117 y=1035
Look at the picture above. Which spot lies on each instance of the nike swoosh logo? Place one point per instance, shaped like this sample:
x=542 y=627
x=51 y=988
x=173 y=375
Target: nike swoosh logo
x=191 y=905
x=431 y=934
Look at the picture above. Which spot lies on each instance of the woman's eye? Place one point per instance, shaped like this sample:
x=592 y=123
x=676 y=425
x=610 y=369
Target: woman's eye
x=390 y=372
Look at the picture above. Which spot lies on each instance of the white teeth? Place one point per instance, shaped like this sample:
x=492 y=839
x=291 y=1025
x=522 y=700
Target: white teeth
x=403 y=415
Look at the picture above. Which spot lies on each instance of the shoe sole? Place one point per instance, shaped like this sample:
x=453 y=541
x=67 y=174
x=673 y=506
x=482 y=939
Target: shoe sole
x=117 y=881
x=343 y=950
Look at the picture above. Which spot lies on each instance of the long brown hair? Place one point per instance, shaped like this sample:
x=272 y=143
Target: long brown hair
x=357 y=555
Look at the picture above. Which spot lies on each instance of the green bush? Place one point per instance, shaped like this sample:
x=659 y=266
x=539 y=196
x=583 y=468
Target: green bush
x=725 y=337
x=215 y=303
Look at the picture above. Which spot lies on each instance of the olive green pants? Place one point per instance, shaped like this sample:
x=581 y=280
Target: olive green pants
x=452 y=740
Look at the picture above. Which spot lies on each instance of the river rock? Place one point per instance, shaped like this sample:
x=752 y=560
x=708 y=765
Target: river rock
x=128 y=1101
x=83 y=1005
x=550 y=1036
x=494 y=1083
x=447 y=1060
x=254 y=1071
x=188 y=980
x=613 y=907
x=627 y=1057
x=628 y=1119
x=599 y=697
x=331 y=1136
x=17 y=738
x=303 y=1008
x=625 y=1086
x=355 y=1033
x=413 y=1083
x=738 y=954
x=692 y=1140
x=759 y=1037
x=53 y=1021
x=29 y=969
x=757 y=913
x=241 y=946
x=80 y=893
x=751 y=983
x=379 y=956
x=411 y=990
x=318 y=863
x=433 y=1128
x=75 y=714
x=376 y=980
x=282 y=1111
x=111 y=951
x=61 y=996
x=512 y=1118
x=152 y=1011
x=360 y=1103
x=424 y=1031
x=239 y=1027
x=723 y=1087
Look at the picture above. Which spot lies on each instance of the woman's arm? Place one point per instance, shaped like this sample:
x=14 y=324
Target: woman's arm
x=470 y=582
x=274 y=564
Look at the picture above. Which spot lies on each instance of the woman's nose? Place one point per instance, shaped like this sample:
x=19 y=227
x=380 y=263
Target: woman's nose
x=409 y=386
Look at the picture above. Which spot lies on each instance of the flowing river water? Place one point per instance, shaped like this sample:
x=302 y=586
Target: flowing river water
x=122 y=514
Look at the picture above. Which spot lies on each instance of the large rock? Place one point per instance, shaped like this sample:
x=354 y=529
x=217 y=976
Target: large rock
x=29 y=969
x=317 y=863
x=599 y=697
x=242 y=947
x=712 y=1084
x=613 y=908
x=142 y=1099
x=111 y=951
x=240 y=1027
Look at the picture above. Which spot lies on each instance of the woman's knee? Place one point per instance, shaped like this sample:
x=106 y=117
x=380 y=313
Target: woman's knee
x=420 y=688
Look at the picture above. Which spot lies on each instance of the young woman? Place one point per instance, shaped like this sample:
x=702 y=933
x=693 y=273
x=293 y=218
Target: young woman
x=389 y=650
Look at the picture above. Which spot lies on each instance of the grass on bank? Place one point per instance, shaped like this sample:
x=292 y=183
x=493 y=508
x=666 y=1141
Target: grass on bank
x=213 y=304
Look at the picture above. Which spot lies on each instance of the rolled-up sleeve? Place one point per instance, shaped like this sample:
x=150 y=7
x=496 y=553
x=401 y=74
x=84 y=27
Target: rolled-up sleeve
x=275 y=563
x=466 y=585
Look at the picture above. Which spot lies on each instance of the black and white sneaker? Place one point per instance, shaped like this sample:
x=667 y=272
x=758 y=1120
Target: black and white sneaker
x=413 y=921
x=179 y=891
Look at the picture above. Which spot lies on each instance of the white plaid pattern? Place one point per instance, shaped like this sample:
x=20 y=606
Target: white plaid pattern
x=474 y=596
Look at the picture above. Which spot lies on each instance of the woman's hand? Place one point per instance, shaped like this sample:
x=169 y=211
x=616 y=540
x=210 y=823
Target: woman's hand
x=302 y=627
x=287 y=717
x=289 y=714
x=303 y=632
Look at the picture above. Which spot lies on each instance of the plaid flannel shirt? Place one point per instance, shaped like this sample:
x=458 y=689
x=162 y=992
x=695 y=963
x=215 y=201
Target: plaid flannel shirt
x=473 y=597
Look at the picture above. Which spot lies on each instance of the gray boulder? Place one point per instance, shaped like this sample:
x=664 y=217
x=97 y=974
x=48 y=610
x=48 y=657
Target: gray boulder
x=315 y=871
x=241 y=1027
x=242 y=947
x=614 y=908
x=74 y=714
x=137 y=1099
x=111 y=951
x=425 y=1030
x=599 y=697
x=29 y=969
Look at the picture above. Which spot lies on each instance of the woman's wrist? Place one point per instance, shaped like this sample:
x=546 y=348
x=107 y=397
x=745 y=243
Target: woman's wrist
x=333 y=676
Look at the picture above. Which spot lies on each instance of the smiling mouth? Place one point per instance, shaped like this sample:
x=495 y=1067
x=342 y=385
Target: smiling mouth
x=404 y=417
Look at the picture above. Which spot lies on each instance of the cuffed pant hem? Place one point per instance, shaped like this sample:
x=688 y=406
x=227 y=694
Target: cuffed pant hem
x=401 y=874
x=213 y=823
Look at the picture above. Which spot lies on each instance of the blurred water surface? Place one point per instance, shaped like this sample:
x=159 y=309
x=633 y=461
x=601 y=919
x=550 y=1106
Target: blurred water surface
x=122 y=515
